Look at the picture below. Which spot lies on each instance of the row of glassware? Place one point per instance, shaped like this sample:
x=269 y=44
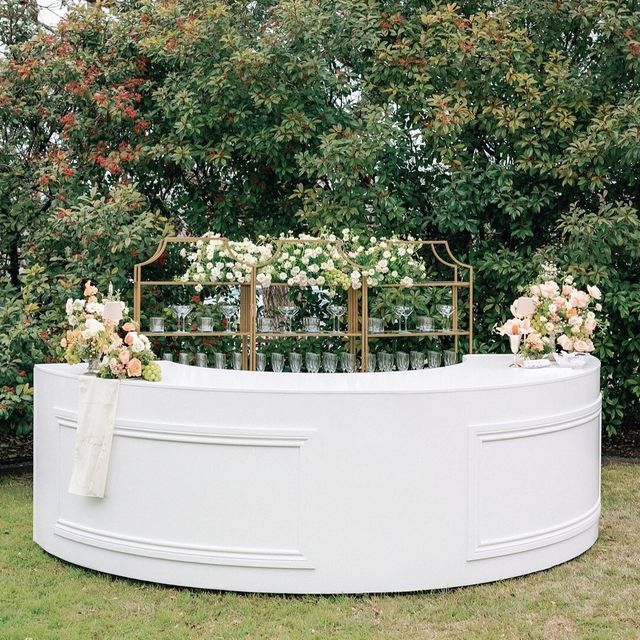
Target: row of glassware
x=328 y=362
x=309 y=324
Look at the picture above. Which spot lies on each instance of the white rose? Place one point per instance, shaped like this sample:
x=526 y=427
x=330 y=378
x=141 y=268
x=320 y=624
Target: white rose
x=320 y=280
x=68 y=309
x=594 y=292
x=406 y=281
x=138 y=345
x=549 y=326
x=598 y=307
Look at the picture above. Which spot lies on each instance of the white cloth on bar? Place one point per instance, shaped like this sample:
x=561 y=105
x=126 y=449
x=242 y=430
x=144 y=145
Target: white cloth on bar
x=96 y=420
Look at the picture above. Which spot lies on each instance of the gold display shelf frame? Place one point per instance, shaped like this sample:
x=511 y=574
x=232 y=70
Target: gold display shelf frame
x=357 y=299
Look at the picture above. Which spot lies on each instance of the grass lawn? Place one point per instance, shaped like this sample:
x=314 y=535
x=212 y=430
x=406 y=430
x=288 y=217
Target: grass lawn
x=595 y=596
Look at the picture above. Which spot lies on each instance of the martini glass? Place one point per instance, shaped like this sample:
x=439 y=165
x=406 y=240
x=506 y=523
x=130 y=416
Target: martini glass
x=229 y=311
x=289 y=312
x=182 y=311
x=336 y=311
x=446 y=311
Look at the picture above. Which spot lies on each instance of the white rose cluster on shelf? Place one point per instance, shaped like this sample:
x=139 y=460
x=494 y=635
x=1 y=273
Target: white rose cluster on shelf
x=554 y=314
x=325 y=261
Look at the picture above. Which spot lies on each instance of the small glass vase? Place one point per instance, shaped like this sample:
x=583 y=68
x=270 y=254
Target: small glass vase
x=93 y=365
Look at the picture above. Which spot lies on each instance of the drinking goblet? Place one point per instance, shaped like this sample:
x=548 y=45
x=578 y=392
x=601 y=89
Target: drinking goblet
x=402 y=360
x=289 y=312
x=277 y=362
x=371 y=363
x=184 y=357
x=329 y=362
x=220 y=360
x=182 y=311
x=336 y=311
x=385 y=361
x=168 y=356
x=261 y=361
x=348 y=362
x=446 y=311
x=201 y=359
x=229 y=311
x=450 y=357
x=236 y=360
x=417 y=360
x=434 y=358
x=312 y=362
x=295 y=362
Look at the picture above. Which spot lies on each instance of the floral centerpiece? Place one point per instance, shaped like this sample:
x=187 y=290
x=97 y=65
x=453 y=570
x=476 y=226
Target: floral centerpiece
x=97 y=335
x=554 y=315
x=324 y=261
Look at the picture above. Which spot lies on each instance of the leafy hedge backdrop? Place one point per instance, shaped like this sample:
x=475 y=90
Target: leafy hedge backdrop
x=510 y=128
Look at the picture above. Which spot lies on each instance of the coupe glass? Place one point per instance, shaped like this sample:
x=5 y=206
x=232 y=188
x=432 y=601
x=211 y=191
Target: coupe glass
x=402 y=311
x=182 y=311
x=417 y=360
x=446 y=311
x=288 y=312
x=329 y=362
x=312 y=362
x=229 y=311
x=336 y=311
x=277 y=362
x=402 y=360
x=295 y=362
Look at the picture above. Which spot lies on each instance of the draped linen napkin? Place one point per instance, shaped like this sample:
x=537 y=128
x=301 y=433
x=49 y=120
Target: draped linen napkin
x=96 y=420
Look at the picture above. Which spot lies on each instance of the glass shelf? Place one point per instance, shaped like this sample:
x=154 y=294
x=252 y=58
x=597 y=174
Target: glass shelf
x=191 y=334
x=416 y=334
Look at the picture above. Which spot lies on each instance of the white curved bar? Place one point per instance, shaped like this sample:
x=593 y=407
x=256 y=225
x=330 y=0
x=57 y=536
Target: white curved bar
x=328 y=483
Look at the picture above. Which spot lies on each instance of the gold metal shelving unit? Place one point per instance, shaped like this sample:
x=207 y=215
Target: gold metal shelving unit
x=357 y=299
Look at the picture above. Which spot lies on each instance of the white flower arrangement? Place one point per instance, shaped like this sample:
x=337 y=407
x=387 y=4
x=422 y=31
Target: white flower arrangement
x=306 y=261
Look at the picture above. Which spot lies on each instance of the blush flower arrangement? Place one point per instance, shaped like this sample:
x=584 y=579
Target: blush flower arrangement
x=98 y=335
x=554 y=315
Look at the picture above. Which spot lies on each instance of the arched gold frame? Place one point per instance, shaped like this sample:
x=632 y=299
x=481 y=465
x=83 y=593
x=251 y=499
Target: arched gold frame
x=357 y=300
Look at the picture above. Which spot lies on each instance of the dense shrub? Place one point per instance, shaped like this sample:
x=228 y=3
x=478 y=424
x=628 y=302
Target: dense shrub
x=510 y=128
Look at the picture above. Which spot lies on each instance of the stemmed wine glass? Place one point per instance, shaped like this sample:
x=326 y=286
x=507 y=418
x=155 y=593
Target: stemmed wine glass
x=336 y=311
x=403 y=311
x=229 y=311
x=446 y=311
x=182 y=311
x=514 y=343
x=288 y=311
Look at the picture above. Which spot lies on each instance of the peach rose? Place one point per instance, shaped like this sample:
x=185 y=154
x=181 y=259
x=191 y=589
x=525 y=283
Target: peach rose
x=590 y=325
x=89 y=289
x=581 y=346
x=565 y=342
x=549 y=289
x=129 y=326
x=580 y=299
x=124 y=356
x=572 y=311
x=594 y=292
x=567 y=290
x=134 y=368
x=535 y=290
x=534 y=341
x=128 y=339
x=559 y=302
